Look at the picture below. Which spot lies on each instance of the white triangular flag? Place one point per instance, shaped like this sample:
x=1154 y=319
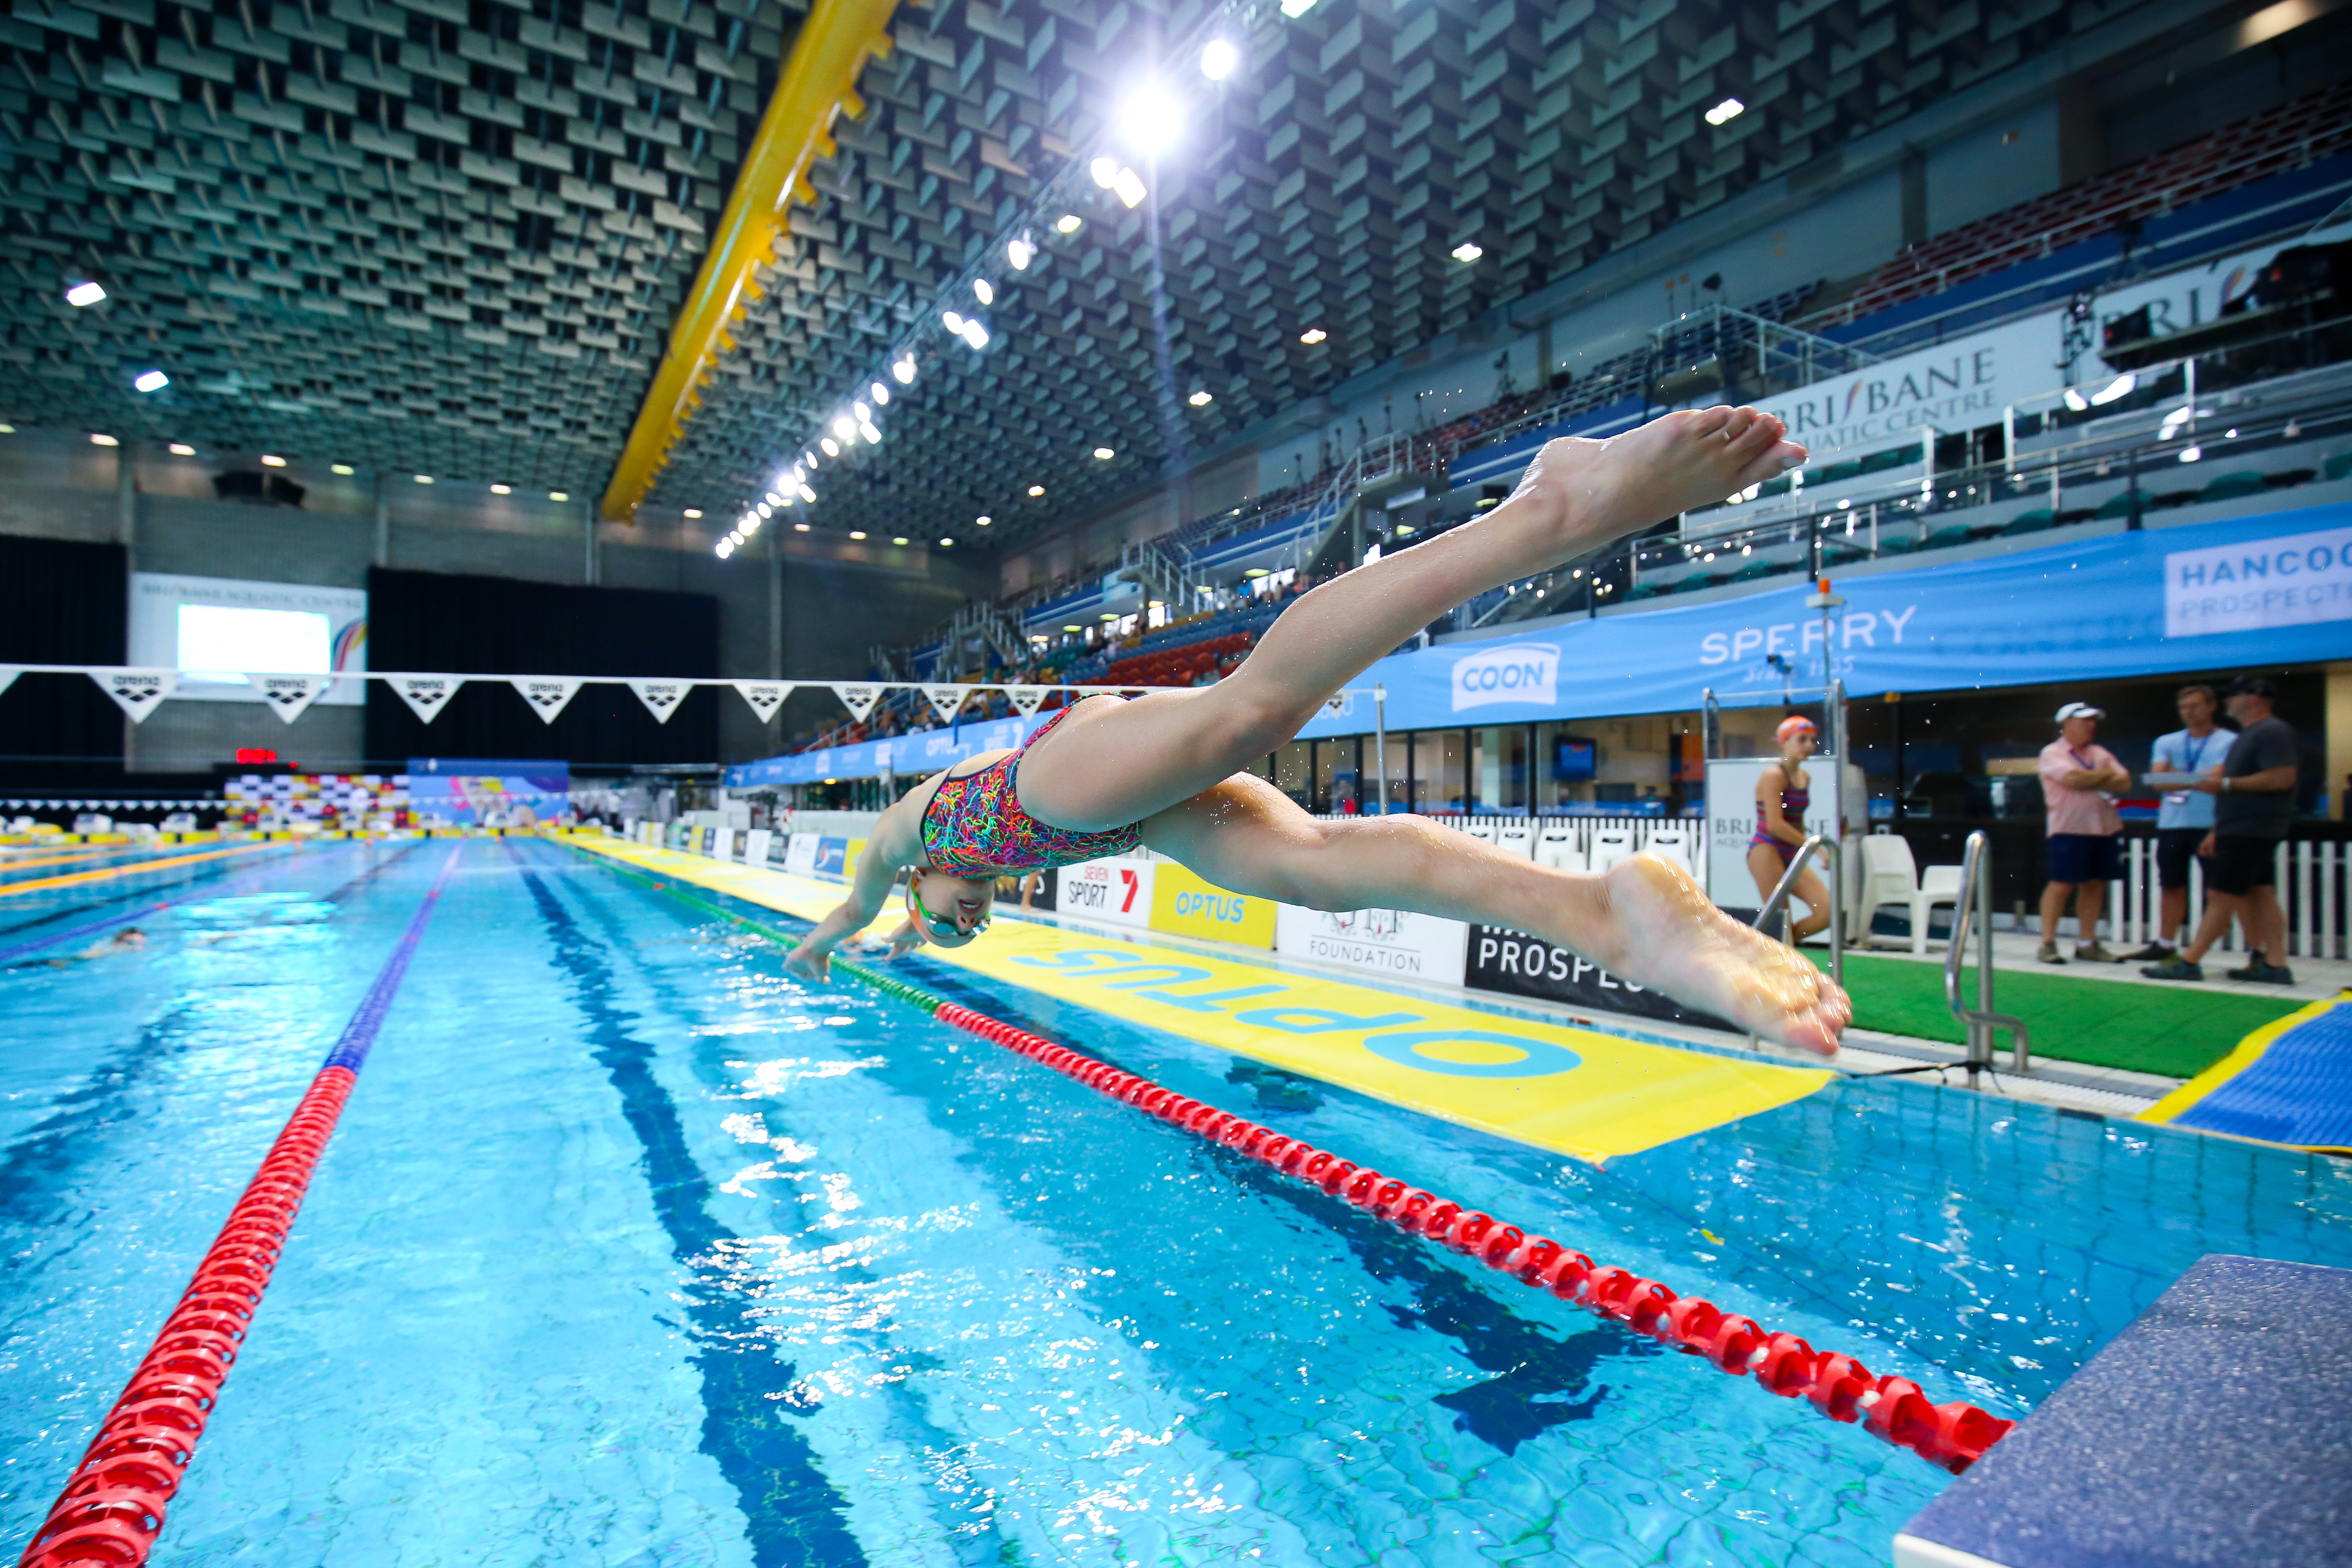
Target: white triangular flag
x=8 y=674
x=290 y=694
x=661 y=697
x=766 y=696
x=858 y=697
x=137 y=691
x=547 y=694
x=947 y=699
x=426 y=695
x=1027 y=699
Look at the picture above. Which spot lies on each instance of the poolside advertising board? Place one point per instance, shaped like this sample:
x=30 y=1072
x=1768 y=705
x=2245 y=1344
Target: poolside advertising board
x=1184 y=905
x=800 y=854
x=1397 y=943
x=1516 y=964
x=1118 y=890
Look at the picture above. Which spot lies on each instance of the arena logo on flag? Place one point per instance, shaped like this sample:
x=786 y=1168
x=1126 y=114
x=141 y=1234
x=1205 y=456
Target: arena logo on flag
x=661 y=697
x=288 y=695
x=764 y=695
x=547 y=694
x=426 y=694
x=2295 y=580
x=1515 y=672
x=137 y=691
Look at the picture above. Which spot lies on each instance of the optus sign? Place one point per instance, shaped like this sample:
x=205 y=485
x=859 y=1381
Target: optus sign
x=1514 y=672
x=1184 y=905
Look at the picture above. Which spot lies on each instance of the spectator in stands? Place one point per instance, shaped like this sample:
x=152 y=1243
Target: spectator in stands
x=2186 y=815
x=2252 y=810
x=2082 y=824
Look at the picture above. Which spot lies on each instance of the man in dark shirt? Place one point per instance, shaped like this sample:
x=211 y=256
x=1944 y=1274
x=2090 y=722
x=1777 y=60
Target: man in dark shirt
x=2251 y=818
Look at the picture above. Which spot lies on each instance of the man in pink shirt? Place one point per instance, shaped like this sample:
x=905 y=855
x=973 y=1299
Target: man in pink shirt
x=2083 y=827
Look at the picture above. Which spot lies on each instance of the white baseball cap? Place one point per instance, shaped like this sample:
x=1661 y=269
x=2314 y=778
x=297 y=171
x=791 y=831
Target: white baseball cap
x=2080 y=711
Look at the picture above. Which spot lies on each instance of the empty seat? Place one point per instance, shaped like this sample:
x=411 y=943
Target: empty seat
x=2338 y=465
x=1517 y=836
x=1675 y=843
x=1890 y=876
x=1945 y=538
x=1611 y=845
x=1556 y=845
x=2032 y=520
x=2229 y=487
x=2118 y=505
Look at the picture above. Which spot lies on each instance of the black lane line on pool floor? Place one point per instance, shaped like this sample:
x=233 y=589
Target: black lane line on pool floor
x=1525 y=1363
x=32 y=1166
x=794 y=1517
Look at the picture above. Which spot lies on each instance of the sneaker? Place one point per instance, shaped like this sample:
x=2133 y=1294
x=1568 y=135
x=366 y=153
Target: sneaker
x=2174 y=968
x=2050 y=953
x=2154 y=953
x=2263 y=972
x=2095 y=954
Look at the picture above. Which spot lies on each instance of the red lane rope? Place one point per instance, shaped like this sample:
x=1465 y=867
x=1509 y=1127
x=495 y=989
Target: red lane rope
x=1954 y=1435
x=111 y=1509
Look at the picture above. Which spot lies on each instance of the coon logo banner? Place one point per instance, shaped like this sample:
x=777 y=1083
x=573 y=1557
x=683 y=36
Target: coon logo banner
x=1509 y=672
x=1183 y=904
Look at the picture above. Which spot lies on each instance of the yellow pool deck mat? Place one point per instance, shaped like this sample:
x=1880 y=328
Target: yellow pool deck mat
x=1575 y=1091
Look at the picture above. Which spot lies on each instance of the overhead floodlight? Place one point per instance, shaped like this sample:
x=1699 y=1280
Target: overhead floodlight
x=1218 y=59
x=1129 y=187
x=800 y=528
x=1104 y=170
x=2120 y=387
x=1467 y=252
x=1149 y=119
x=1312 y=336
x=1036 y=490
x=96 y=439
x=693 y=511
x=152 y=381
x=775 y=499
x=272 y=460
x=495 y=489
x=844 y=427
x=784 y=503
x=425 y=478
x=725 y=548
x=1104 y=454
x=862 y=412
x=1200 y=399
x=975 y=335
x=946 y=543
x=873 y=436
x=1296 y=8
x=879 y=394
x=831 y=448
x=559 y=495
x=1069 y=223
x=904 y=369
x=900 y=540
x=85 y=293
x=983 y=520
x=763 y=508
x=182 y=449
x=856 y=533
x=1725 y=110
x=791 y=481
x=807 y=494
x=983 y=290
x=2076 y=401
x=345 y=469
x=1021 y=251
x=952 y=321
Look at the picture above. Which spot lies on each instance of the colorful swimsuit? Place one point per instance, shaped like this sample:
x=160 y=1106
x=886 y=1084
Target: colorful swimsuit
x=975 y=827
x=1793 y=803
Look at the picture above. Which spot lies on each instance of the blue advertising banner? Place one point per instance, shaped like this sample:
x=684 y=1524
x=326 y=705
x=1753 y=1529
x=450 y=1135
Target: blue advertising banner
x=914 y=755
x=2266 y=591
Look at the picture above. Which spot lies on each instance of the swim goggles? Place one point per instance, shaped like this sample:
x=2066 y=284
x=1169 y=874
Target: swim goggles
x=942 y=930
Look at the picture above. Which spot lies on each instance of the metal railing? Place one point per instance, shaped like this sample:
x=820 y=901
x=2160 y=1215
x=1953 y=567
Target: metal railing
x=1827 y=848
x=1973 y=905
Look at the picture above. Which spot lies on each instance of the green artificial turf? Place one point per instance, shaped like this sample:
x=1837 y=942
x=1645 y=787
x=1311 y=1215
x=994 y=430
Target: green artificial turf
x=2176 y=1031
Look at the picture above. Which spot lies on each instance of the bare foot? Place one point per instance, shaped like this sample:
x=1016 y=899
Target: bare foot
x=1673 y=939
x=1587 y=492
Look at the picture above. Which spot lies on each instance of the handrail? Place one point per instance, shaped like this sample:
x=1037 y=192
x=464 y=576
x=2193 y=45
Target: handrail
x=1827 y=848
x=1976 y=888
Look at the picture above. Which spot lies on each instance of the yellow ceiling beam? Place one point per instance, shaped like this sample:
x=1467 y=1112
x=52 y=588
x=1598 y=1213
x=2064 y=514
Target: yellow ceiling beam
x=819 y=81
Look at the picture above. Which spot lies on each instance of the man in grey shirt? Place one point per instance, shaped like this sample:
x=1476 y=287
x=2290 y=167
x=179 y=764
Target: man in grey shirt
x=2252 y=813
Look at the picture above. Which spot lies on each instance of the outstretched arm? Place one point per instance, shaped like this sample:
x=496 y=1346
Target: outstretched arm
x=896 y=843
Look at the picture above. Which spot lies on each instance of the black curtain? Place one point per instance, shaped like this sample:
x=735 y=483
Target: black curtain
x=431 y=622
x=61 y=603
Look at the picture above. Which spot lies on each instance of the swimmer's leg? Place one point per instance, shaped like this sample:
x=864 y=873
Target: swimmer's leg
x=1644 y=920
x=1110 y=763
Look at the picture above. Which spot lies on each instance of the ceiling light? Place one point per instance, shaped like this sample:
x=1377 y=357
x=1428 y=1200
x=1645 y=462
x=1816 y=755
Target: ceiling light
x=863 y=414
x=1151 y=119
x=1313 y=335
x=559 y=495
x=1021 y=251
x=1108 y=616
x=856 y=533
x=944 y=543
x=984 y=521
x=1723 y=111
x=1034 y=489
x=975 y=335
x=85 y=294
x=807 y=494
x=904 y=369
x=2191 y=454
x=269 y=460
x=1074 y=629
x=844 y=427
x=832 y=448
x=1200 y=399
x=900 y=540
x=152 y=381
x=880 y=394
x=762 y=508
x=873 y=436
x=495 y=489
x=952 y=321
x=1466 y=251
x=983 y=290
x=809 y=458
x=1218 y=59
x=421 y=479
x=1104 y=170
x=182 y=449
x=792 y=480
x=1069 y=223
x=343 y=469
x=726 y=547
x=1104 y=454
x=1296 y=8
x=97 y=440
x=774 y=499
x=1130 y=188
x=2120 y=387
x=800 y=528
x=694 y=511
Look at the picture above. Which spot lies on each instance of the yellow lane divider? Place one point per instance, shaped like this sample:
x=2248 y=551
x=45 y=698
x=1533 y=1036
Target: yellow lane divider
x=1574 y=1091
x=11 y=889
x=29 y=862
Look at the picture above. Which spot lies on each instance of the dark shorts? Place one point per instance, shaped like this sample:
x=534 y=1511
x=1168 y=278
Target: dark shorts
x=2240 y=864
x=2084 y=857
x=2175 y=848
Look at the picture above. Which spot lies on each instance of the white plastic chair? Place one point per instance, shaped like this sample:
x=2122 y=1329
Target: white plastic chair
x=1478 y=827
x=1517 y=836
x=1891 y=877
x=1673 y=844
x=1611 y=845
x=1557 y=846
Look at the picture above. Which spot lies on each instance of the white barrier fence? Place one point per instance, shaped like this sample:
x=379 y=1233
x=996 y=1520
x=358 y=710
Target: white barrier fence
x=1585 y=842
x=2310 y=876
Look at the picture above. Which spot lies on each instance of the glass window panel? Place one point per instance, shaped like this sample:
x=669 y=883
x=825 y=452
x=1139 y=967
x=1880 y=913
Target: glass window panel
x=1440 y=769
x=1500 y=768
x=1293 y=772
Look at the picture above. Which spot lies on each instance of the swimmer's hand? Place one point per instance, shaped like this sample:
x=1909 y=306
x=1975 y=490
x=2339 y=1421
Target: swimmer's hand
x=903 y=940
x=811 y=960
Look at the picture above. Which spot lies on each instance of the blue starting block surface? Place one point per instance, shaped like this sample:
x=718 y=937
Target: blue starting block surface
x=2212 y=1431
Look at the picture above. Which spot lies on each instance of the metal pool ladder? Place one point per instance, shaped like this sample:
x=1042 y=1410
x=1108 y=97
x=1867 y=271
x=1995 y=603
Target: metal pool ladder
x=1973 y=904
x=1827 y=848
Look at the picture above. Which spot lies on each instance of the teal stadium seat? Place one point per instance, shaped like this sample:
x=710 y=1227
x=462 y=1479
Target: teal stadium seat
x=2229 y=487
x=1945 y=538
x=2118 y=505
x=2338 y=464
x=2033 y=521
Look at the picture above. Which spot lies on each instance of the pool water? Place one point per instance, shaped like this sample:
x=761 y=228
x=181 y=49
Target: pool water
x=630 y=1251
